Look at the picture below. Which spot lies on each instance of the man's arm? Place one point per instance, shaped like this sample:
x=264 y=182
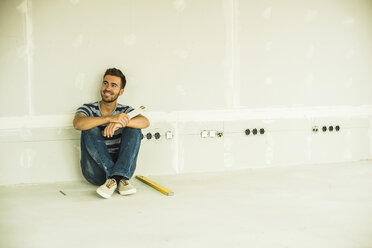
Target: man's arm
x=82 y=122
x=139 y=122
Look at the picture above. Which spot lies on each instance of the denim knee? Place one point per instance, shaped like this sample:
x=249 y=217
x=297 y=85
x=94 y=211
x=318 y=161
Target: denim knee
x=93 y=131
x=132 y=131
x=95 y=179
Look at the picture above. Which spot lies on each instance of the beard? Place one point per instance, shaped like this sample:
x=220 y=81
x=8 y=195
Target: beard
x=109 y=100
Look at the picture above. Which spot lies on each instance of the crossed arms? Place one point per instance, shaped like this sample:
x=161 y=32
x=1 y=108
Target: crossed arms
x=82 y=122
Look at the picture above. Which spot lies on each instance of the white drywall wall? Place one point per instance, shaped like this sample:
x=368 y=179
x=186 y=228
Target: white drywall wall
x=188 y=62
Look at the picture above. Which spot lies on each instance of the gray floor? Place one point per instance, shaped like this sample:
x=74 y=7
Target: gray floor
x=299 y=206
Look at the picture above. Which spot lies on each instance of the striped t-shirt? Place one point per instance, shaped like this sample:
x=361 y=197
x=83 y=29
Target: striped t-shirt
x=93 y=110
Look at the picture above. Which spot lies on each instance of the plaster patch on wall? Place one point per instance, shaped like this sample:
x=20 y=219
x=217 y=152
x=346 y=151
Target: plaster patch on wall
x=25 y=134
x=80 y=81
x=268 y=46
x=311 y=15
x=175 y=150
x=228 y=156
x=308 y=151
x=228 y=159
x=267 y=13
x=181 y=90
x=348 y=135
x=8 y=133
x=348 y=154
x=22 y=52
x=310 y=51
x=180 y=152
x=130 y=39
x=227 y=144
x=78 y=41
x=179 y=5
x=349 y=21
x=269 y=81
x=181 y=53
x=75 y=2
x=350 y=53
x=297 y=105
x=22 y=7
x=309 y=80
x=349 y=82
x=27 y=158
x=269 y=154
x=347 y=117
x=77 y=148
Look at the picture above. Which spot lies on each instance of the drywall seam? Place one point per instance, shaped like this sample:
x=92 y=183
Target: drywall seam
x=25 y=8
x=229 y=64
x=370 y=137
x=177 y=148
x=180 y=153
x=44 y=121
x=236 y=54
x=232 y=53
x=346 y=112
x=30 y=56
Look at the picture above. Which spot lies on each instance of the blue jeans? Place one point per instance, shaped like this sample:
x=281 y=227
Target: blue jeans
x=96 y=163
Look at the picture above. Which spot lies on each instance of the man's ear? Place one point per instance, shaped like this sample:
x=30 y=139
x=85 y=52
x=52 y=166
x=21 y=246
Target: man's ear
x=121 y=92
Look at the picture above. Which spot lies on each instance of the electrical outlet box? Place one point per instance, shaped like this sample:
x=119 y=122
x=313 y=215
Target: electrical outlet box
x=157 y=135
x=315 y=129
x=169 y=135
x=204 y=134
x=212 y=134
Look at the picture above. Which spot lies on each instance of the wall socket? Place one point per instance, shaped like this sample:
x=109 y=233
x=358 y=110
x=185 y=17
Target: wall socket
x=325 y=128
x=254 y=131
x=211 y=134
x=315 y=129
x=158 y=135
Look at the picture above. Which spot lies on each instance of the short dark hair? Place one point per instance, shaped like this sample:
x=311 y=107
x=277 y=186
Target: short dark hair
x=118 y=73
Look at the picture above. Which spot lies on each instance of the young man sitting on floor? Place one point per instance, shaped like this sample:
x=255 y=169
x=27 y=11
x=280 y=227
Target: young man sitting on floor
x=110 y=140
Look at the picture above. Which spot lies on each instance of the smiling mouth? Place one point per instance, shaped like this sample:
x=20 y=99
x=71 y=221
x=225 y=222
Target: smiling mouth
x=107 y=93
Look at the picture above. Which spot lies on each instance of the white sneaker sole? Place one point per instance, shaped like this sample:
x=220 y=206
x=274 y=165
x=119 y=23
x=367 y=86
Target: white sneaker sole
x=103 y=194
x=128 y=192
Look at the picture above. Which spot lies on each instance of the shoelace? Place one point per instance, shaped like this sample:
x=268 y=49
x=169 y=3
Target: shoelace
x=125 y=182
x=111 y=183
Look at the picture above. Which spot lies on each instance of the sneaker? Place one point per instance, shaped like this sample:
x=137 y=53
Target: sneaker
x=106 y=189
x=125 y=188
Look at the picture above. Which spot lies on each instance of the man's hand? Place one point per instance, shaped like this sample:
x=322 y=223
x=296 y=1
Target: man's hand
x=111 y=128
x=121 y=118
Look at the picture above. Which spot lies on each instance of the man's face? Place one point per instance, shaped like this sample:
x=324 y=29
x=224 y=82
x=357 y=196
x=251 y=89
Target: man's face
x=110 y=89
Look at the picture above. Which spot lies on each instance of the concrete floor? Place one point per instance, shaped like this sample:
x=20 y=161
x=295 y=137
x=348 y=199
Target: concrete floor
x=299 y=206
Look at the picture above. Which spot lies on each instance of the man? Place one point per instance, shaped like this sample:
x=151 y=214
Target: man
x=110 y=140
